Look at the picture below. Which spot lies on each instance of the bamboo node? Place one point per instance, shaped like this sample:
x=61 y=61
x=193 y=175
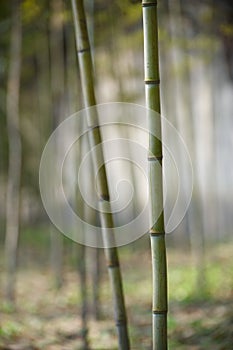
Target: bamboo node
x=159 y=312
x=152 y=81
x=105 y=197
x=148 y=4
x=84 y=50
x=155 y=158
x=90 y=128
x=156 y=233
x=113 y=266
x=121 y=322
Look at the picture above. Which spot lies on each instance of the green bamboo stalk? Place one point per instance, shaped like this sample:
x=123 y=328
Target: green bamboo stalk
x=94 y=136
x=157 y=231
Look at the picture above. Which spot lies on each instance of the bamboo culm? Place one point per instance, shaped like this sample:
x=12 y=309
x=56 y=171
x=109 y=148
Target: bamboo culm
x=82 y=256
x=15 y=153
x=57 y=76
x=94 y=137
x=157 y=231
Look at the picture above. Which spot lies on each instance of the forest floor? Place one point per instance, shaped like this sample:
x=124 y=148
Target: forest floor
x=199 y=317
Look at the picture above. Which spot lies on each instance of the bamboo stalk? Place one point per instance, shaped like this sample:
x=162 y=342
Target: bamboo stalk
x=94 y=136
x=82 y=255
x=15 y=153
x=96 y=280
x=157 y=231
x=57 y=75
x=81 y=252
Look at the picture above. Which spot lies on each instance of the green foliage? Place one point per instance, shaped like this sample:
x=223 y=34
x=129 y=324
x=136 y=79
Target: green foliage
x=31 y=10
x=7 y=307
x=35 y=236
x=10 y=330
x=172 y=322
x=227 y=29
x=182 y=281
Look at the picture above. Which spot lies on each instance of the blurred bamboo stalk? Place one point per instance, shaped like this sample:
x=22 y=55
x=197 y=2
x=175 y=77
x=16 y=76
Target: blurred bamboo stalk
x=94 y=136
x=81 y=251
x=58 y=111
x=157 y=232
x=188 y=126
x=15 y=153
x=96 y=280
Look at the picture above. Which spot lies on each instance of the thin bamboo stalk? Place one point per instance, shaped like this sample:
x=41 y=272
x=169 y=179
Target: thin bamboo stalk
x=15 y=153
x=82 y=253
x=157 y=231
x=183 y=88
x=96 y=281
x=94 y=136
x=58 y=105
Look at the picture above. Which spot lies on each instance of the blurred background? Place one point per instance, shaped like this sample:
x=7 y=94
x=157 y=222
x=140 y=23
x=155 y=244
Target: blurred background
x=40 y=87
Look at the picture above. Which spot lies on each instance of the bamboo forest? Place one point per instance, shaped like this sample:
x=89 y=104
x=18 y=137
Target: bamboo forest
x=116 y=190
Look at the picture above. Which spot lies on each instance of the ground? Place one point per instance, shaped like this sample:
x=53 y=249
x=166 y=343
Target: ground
x=45 y=318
